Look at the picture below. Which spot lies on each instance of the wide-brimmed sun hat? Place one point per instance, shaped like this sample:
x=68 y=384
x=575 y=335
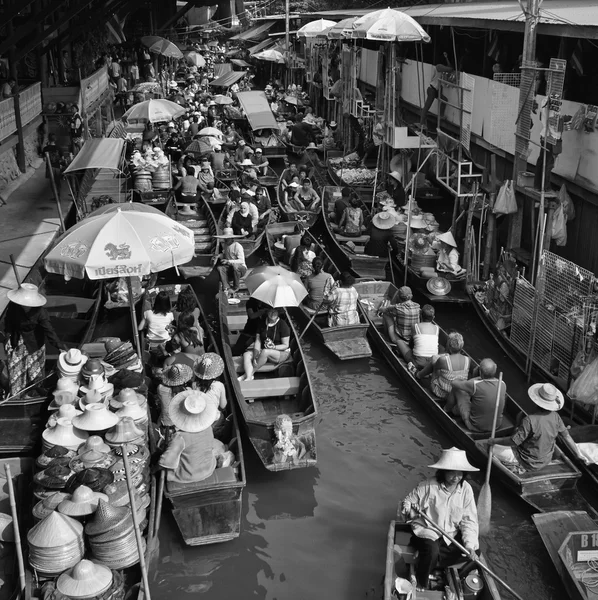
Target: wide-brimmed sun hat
x=53 y=477
x=209 y=366
x=95 y=478
x=246 y=163
x=547 y=396
x=66 y=411
x=131 y=409
x=86 y=579
x=107 y=517
x=71 y=361
x=66 y=384
x=27 y=294
x=93 y=366
x=48 y=456
x=95 y=417
x=453 y=459
x=63 y=398
x=128 y=395
x=384 y=220
x=82 y=502
x=64 y=434
x=124 y=431
x=177 y=374
x=192 y=411
x=417 y=222
x=438 y=286
x=396 y=175
x=44 y=507
x=94 y=442
x=92 y=459
x=447 y=238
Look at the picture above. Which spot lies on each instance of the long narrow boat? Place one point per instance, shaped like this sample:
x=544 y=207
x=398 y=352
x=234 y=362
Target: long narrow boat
x=571 y=539
x=349 y=252
x=400 y=563
x=276 y=390
x=209 y=511
x=345 y=342
x=269 y=179
x=306 y=217
x=553 y=487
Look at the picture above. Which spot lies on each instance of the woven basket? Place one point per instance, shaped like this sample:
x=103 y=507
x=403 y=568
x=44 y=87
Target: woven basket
x=161 y=178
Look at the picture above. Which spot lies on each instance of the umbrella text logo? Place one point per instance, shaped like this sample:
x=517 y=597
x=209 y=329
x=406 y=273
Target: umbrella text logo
x=120 y=252
x=119 y=271
x=74 y=250
x=164 y=243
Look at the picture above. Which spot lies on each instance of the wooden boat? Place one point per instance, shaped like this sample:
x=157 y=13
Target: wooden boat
x=571 y=539
x=209 y=511
x=226 y=175
x=553 y=487
x=350 y=257
x=276 y=390
x=306 y=217
x=364 y=191
x=219 y=198
x=346 y=342
x=400 y=563
x=270 y=179
x=163 y=200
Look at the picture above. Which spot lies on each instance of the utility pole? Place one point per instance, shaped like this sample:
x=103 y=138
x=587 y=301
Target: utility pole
x=287 y=38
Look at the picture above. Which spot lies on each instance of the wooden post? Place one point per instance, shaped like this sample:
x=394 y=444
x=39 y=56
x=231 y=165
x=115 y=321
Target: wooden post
x=55 y=191
x=17 y=104
x=491 y=227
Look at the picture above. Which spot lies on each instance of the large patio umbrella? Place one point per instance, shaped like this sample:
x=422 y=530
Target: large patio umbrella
x=276 y=286
x=389 y=25
x=155 y=110
x=194 y=58
x=211 y=131
x=162 y=46
x=126 y=207
x=341 y=29
x=201 y=146
x=223 y=100
x=312 y=29
x=270 y=55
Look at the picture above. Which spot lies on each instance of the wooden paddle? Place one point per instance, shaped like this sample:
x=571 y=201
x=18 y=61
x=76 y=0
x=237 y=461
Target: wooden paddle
x=477 y=560
x=310 y=321
x=485 y=497
x=15 y=526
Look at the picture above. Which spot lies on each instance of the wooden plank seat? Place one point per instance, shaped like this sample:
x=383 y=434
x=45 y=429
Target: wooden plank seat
x=222 y=475
x=202 y=238
x=267 y=368
x=236 y=322
x=271 y=387
x=360 y=239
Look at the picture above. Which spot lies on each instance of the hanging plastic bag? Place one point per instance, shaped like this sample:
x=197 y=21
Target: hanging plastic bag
x=559 y=226
x=585 y=387
x=506 y=203
x=567 y=203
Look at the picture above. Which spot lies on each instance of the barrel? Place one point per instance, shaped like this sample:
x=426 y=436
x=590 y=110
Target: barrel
x=422 y=260
x=161 y=178
x=142 y=180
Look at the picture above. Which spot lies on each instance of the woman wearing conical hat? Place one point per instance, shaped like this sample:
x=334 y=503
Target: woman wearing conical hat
x=448 y=257
x=446 y=499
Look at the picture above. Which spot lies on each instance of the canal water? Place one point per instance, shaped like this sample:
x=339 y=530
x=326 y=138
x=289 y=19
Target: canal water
x=321 y=533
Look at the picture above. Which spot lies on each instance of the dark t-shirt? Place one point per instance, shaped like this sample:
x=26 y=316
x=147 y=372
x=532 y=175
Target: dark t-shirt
x=275 y=332
x=239 y=222
x=301 y=134
x=55 y=154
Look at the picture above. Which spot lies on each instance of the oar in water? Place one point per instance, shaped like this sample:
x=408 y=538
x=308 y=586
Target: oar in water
x=466 y=552
x=485 y=497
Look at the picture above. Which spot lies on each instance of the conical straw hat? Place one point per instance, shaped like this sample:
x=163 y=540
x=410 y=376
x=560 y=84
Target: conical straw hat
x=81 y=502
x=107 y=517
x=26 y=294
x=64 y=434
x=96 y=417
x=85 y=580
x=44 y=507
x=54 y=531
x=192 y=411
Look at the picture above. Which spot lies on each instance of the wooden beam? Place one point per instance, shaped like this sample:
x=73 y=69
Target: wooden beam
x=176 y=16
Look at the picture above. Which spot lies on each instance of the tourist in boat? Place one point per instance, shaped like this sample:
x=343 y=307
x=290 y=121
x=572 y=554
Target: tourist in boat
x=263 y=205
x=475 y=399
x=187 y=302
x=319 y=285
x=231 y=138
x=288 y=175
x=188 y=338
x=342 y=302
x=27 y=328
x=532 y=445
x=191 y=455
x=448 y=257
x=242 y=152
x=256 y=311
x=206 y=179
x=260 y=161
x=301 y=260
x=186 y=188
x=342 y=204
x=381 y=235
x=175 y=378
x=241 y=220
x=400 y=318
x=218 y=158
x=271 y=345
x=207 y=371
x=230 y=264
x=308 y=196
x=425 y=341
x=158 y=319
x=352 y=223
x=291 y=202
x=448 y=370
x=248 y=174
x=446 y=499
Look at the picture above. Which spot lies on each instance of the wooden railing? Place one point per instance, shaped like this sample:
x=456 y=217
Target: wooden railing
x=31 y=107
x=94 y=86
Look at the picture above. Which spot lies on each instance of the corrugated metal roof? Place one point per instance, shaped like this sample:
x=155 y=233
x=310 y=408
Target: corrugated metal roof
x=253 y=33
x=228 y=79
x=239 y=62
x=259 y=47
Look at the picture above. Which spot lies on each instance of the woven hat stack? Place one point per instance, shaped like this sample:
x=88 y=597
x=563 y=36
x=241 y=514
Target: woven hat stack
x=125 y=432
x=66 y=411
x=64 y=433
x=112 y=537
x=127 y=395
x=131 y=408
x=86 y=579
x=55 y=544
x=44 y=459
x=139 y=457
x=81 y=503
x=121 y=355
x=54 y=477
x=92 y=459
x=95 y=478
x=92 y=368
x=118 y=495
x=96 y=417
x=93 y=397
x=44 y=507
x=70 y=363
x=100 y=384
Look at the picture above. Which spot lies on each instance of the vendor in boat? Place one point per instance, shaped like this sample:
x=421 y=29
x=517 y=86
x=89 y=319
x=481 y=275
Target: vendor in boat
x=424 y=339
x=342 y=302
x=187 y=341
x=400 y=318
x=230 y=264
x=206 y=180
x=381 y=235
x=532 y=445
x=448 y=257
x=271 y=345
x=395 y=188
x=446 y=499
x=186 y=188
x=352 y=221
x=308 y=196
x=192 y=453
x=319 y=285
x=256 y=311
x=474 y=400
x=27 y=328
x=260 y=162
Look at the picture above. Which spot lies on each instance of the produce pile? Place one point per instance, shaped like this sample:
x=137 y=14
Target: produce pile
x=350 y=161
x=358 y=177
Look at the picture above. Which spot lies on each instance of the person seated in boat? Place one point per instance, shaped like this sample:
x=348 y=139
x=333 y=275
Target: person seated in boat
x=288 y=175
x=271 y=344
x=193 y=453
x=381 y=235
x=301 y=260
x=302 y=133
x=158 y=320
x=241 y=220
x=448 y=257
x=329 y=142
x=249 y=172
x=288 y=446
x=308 y=196
x=218 y=159
x=208 y=369
x=117 y=290
x=241 y=152
x=260 y=162
x=532 y=445
x=247 y=197
x=302 y=174
x=186 y=189
x=174 y=379
x=263 y=204
x=188 y=338
x=256 y=311
x=447 y=500
x=230 y=264
x=395 y=189
x=291 y=202
x=342 y=302
x=187 y=302
x=319 y=285
x=352 y=223
x=231 y=138
x=474 y=400
x=448 y=369
x=424 y=339
x=400 y=318
x=206 y=180
x=342 y=204
x=187 y=166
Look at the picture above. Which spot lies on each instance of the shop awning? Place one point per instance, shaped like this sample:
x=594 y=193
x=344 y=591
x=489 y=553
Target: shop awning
x=221 y=69
x=257 y=109
x=239 y=62
x=101 y=153
x=228 y=79
x=261 y=46
x=253 y=33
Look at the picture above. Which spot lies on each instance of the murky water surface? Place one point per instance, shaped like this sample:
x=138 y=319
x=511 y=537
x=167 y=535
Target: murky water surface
x=321 y=533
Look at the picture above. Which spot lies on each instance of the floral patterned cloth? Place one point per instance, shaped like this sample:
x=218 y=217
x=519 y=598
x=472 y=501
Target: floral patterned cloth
x=24 y=368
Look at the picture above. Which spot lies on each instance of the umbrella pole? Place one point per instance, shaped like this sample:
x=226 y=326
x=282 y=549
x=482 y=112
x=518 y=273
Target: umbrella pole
x=133 y=317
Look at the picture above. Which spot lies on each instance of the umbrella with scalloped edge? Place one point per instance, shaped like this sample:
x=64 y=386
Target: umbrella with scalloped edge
x=276 y=286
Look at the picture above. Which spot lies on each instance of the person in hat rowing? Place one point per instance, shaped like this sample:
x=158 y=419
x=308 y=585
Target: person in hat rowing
x=381 y=235
x=446 y=499
x=448 y=256
x=230 y=264
x=532 y=445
